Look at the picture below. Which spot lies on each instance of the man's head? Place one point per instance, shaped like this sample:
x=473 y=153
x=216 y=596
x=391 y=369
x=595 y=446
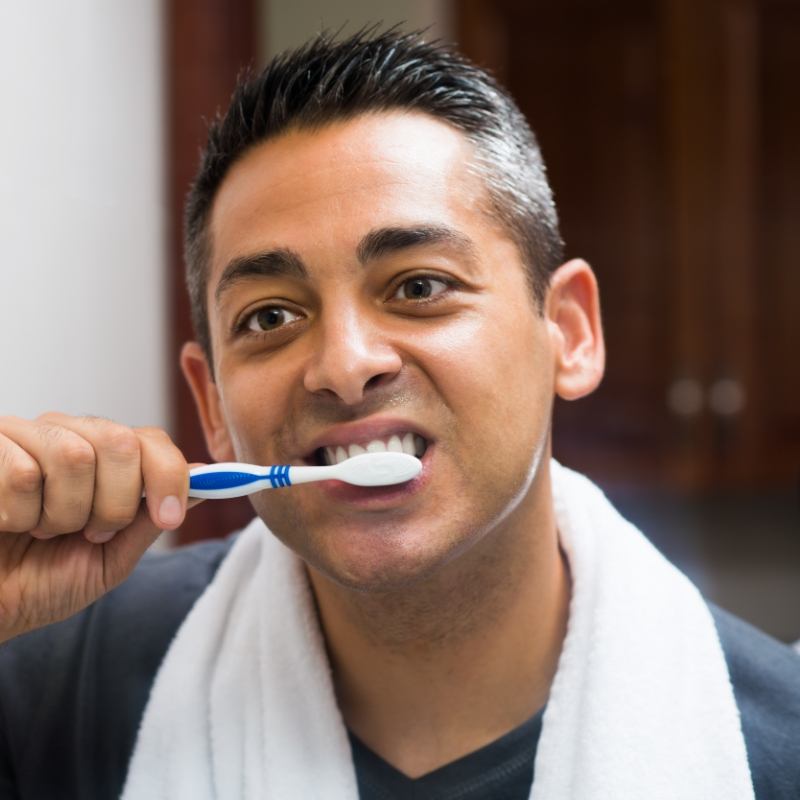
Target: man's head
x=327 y=81
x=361 y=292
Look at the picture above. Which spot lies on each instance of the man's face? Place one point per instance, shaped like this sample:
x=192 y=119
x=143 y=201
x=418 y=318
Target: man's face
x=359 y=295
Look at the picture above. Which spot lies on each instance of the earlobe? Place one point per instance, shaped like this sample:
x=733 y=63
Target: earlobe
x=197 y=372
x=573 y=311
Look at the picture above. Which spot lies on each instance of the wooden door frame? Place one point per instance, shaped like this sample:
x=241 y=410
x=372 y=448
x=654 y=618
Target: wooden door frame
x=207 y=44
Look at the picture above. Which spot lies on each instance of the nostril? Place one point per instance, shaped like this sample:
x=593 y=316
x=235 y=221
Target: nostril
x=375 y=381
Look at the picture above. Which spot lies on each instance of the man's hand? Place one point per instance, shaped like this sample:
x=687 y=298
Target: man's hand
x=72 y=520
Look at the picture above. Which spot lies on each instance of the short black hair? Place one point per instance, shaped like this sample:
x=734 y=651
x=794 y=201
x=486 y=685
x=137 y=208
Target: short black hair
x=329 y=80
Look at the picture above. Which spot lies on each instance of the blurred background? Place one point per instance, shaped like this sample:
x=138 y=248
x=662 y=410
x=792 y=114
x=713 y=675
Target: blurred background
x=670 y=129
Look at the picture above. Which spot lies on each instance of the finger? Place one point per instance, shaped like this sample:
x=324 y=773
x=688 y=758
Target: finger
x=118 y=474
x=195 y=501
x=122 y=553
x=67 y=462
x=20 y=488
x=166 y=478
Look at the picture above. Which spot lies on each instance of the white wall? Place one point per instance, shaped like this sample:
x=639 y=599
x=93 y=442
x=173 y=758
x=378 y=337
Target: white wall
x=82 y=257
x=288 y=23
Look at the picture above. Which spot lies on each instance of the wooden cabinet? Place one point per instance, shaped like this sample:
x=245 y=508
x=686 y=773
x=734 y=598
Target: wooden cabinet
x=671 y=131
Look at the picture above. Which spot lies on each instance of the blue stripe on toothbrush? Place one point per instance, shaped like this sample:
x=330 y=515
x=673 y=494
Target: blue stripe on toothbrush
x=221 y=480
x=279 y=475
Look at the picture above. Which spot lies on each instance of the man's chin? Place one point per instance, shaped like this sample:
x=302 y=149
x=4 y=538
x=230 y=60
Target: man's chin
x=376 y=552
x=379 y=567
x=384 y=581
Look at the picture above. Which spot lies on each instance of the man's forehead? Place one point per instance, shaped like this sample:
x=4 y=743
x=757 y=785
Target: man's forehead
x=400 y=167
x=415 y=141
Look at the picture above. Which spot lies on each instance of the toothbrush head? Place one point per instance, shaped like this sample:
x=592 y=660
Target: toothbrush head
x=377 y=469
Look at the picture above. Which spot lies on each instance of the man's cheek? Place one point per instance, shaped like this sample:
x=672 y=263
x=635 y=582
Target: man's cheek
x=250 y=427
x=281 y=513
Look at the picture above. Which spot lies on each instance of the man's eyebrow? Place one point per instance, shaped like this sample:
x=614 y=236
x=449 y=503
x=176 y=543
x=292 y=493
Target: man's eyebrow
x=384 y=241
x=378 y=242
x=280 y=261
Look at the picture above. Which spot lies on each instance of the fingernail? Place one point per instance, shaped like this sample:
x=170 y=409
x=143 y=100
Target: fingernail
x=170 y=512
x=99 y=537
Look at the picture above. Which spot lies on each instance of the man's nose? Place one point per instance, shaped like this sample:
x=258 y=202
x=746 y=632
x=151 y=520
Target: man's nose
x=351 y=355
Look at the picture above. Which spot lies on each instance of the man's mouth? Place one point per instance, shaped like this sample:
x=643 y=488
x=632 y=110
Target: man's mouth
x=402 y=442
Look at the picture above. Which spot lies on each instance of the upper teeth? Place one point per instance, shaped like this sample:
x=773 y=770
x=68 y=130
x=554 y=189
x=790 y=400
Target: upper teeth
x=406 y=443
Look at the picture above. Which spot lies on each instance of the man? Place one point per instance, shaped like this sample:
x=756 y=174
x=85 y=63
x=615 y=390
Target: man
x=374 y=262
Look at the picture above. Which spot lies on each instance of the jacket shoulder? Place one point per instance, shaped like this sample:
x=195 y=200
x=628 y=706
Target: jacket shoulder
x=765 y=674
x=72 y=694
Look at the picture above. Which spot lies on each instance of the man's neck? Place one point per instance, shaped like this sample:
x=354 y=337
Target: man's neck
x=427 y=674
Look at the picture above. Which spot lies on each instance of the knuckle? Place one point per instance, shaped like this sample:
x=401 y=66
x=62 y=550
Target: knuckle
x=24 y=478
x=155 y=434
x=95 y=419
x=164 y=455
x=49 y=431
x=121 y=441
x=75 y=453
x=50 y=419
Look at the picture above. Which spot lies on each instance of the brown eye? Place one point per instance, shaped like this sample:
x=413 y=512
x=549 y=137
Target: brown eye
x=420 y=288
x=269 y=318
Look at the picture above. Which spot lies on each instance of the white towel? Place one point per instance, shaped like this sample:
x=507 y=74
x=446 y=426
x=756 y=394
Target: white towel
x=243 y=706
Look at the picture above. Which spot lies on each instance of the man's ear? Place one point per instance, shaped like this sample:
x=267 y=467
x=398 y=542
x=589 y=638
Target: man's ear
x=197 y=372
x=573 y=313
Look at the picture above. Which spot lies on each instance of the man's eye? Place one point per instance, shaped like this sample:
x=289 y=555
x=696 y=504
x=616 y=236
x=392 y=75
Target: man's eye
x=269 y=318
x=420 y=288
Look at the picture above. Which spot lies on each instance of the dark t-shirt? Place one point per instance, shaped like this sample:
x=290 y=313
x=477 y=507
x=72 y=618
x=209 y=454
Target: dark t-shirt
x=503 y=770
x=72 y=696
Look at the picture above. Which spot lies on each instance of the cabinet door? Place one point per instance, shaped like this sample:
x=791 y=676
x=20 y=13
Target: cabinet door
x=776 y=260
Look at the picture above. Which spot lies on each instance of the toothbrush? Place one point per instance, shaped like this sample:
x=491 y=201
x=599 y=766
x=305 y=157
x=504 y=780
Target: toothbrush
x=224 y=480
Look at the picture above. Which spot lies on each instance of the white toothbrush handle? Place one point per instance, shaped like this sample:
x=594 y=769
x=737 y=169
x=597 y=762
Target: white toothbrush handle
x=232 y=479
x=311 y=474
